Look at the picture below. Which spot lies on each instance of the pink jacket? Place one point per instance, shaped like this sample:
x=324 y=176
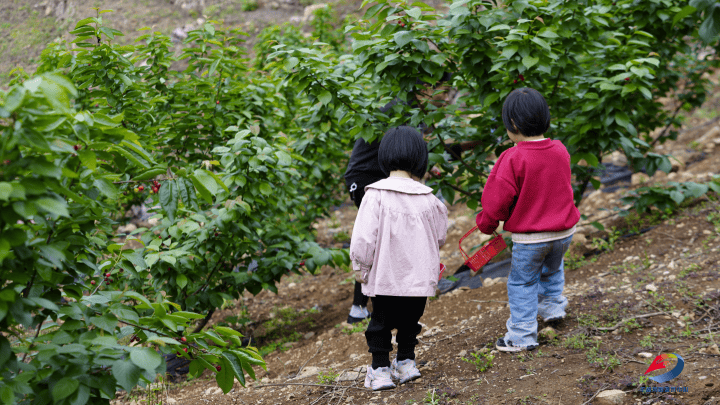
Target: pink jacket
x=395 y=245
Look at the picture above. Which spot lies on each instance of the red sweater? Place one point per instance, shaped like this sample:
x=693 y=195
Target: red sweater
x=533 y=176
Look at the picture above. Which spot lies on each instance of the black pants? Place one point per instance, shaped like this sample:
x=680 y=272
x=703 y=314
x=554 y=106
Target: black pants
x=357 y=185
x=401 y=313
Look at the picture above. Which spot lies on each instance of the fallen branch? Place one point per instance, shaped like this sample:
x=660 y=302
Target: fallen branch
x=311 y=385
x=306 y=362
x=596 y=394
x=621 y=323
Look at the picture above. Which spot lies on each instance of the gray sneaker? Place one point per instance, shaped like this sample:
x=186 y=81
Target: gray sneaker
x=404 y=370
x=378 y=379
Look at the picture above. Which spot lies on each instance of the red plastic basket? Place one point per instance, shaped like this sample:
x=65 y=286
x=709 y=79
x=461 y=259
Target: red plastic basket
x=442 y=270
x=487 y=252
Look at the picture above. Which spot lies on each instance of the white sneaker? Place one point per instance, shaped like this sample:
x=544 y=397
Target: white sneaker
x=404 y=370
x=378 y=379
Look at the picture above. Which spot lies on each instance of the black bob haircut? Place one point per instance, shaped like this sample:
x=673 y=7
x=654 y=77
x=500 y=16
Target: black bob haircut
x=403 y=148
x=526 y=112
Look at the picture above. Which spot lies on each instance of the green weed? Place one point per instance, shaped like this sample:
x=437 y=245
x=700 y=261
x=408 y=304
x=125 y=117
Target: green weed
x=482 y=361
x=647 y=342
x=327 y=377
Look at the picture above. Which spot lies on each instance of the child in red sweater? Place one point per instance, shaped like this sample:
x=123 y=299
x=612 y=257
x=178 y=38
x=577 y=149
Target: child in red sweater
x=530 y=189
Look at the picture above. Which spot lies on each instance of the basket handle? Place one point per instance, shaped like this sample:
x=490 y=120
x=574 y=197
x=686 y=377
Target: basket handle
x=465 y=236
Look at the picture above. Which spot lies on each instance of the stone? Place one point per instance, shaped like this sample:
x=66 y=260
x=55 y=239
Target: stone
x=711 y=134
x=310 y=11
x=274 y=5
x=309 y=335
x=463 y=353
x=171 y=401
x=289 y=344
x=677 y=163
x=291 y=285
x=645 y=355
x=651 y=287
x=127 y=228
x=639 y=178
x=713 y=350
x=548 y=333
x=350 y=376
x=213 y=391
x=309 y=371
x=610 y=397
x=579 y=238
x=488 y=282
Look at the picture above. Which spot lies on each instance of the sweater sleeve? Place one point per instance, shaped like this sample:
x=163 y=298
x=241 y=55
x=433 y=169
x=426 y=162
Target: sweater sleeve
x=498 y=197
x=441 y=222
x=365 y=230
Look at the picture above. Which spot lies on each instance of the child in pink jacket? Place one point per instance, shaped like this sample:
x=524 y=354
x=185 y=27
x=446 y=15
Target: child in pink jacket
x=395 y=253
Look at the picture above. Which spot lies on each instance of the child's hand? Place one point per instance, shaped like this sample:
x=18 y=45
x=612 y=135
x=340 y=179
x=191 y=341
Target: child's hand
x=360 y=276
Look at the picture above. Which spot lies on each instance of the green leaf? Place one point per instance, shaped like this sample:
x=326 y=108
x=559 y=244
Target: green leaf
x=6 y=395
x=530 y=61
x=107 y=322
x=499 y=27
x=235 y=364
x=402 y=38
x=284 y=159
x=150 y=174
x=204 y=193
x=64 y=388
x=225 y=377
x=131 y=157
x=541 y=42
x=622 y=119
x=181 y=280
x=88 y=158
x=207 y=181
x=291 y=62
x=169 y=198
x=218 y=180
x=265 y=188
x=677 y=196
x=126 y=373
x=107 y=188
x=325 y=97
x=710 y=28
x=5 y=190
x=57 y=207
x=414 y=12
x=146 y=358
x=15 y=98
x=686 y=11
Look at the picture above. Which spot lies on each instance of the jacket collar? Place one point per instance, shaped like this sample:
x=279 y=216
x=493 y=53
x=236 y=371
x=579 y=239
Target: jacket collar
x=401 y=184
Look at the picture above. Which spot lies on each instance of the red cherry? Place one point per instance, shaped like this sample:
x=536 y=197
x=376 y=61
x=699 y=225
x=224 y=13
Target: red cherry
x=218 y=368
x=402 y=24
x=109 y=281
x=521 y=77
x=107 y=274
x=121 y=270
x=216 y=234
x=302 y=263
x=185 y=349
x=217 y=102
x=141 y=188
x=183 y=339
x=7 y=162
x=515 y=81
x=77 y=147
x=627 y=79
x=92 y=282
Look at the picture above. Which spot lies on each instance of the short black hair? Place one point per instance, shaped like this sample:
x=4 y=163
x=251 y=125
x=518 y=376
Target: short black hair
x=403 y=148
x=525 y=111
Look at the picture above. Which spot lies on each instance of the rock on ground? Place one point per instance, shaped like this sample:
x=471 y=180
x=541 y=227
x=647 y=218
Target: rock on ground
x=610 y=397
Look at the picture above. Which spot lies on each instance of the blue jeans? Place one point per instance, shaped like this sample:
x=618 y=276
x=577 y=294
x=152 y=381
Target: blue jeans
x=535 y=286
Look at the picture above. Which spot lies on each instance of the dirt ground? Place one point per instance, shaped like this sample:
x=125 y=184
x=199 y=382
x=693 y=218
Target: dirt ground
x=647 y=293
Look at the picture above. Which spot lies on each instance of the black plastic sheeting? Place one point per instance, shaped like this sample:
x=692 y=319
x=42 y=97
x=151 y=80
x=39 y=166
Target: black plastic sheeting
x=465 y=278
